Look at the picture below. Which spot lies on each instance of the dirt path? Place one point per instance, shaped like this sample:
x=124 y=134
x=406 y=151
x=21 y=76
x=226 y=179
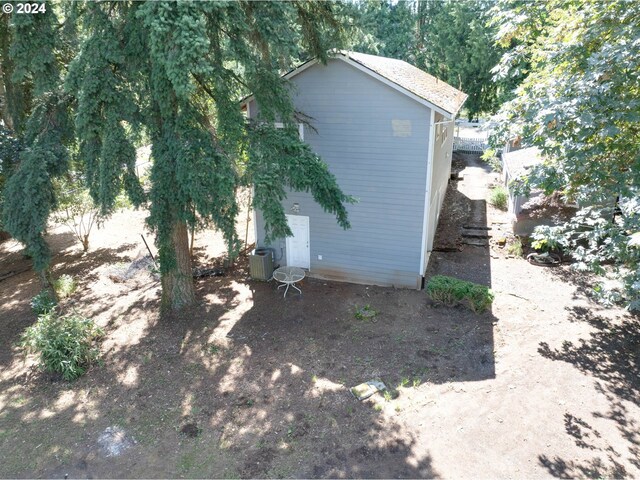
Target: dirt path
x=247 y=384
x=564 y=400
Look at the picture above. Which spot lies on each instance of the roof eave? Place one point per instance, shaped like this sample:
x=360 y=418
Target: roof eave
x=344 y=56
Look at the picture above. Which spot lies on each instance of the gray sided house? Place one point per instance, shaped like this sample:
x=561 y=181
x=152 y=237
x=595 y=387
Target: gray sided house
x=385 y=129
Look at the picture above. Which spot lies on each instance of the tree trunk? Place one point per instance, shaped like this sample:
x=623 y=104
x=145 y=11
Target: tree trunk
x=193 y=236
x=177 y=285
x=5 y=75
x=4 y=106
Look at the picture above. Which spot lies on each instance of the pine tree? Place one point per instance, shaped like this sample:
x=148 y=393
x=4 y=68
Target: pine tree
x=456 y=44
x=37 y=96
x=174 y=72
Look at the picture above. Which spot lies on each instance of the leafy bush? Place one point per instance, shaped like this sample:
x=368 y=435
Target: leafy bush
x=549 y=239
x=603 y=245
x=65 y=286
x=514 y=247
x=452 y=291
x=498 y=197
x=65 y=344
x=490 y=156
x=44 y=302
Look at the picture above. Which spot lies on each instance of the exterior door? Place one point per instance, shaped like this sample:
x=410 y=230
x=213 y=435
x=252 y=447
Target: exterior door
x=298 y=253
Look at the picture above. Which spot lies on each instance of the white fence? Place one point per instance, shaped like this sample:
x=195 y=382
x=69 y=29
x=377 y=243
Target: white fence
x=470 y=144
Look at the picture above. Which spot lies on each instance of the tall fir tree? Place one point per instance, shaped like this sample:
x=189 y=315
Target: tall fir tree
x=175 y=72
x=456 y=44
x=34 y=56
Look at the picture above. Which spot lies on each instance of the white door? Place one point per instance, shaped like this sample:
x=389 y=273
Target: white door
x=298 y=253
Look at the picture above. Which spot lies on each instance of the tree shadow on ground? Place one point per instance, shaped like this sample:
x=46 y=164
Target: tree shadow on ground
x=583 y=281
x=607 y=460
x=17 y=291
x=260 y=382
x=612 y=355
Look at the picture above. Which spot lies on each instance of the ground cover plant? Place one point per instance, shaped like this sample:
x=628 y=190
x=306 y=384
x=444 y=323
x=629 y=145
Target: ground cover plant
x=366 y=312
x=452 y=291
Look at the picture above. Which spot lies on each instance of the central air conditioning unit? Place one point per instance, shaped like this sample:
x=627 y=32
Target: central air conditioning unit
x=261 y=264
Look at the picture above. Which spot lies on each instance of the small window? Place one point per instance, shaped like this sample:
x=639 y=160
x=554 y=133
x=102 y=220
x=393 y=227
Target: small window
x=445 y=132
x=300 y=129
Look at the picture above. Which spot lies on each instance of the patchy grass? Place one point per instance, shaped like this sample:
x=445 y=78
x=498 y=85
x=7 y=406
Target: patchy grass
x=366 y=313
x=514 y=247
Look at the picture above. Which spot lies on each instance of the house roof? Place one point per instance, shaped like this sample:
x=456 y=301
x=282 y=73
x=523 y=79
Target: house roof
x=518 y=162
x=402 y=76
x=411 y=78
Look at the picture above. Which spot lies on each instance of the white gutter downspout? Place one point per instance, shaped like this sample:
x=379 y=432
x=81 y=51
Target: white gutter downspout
x=427 y=192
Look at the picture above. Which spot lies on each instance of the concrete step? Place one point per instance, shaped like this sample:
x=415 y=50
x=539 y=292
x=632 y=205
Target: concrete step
x=475 y=233
x=476 y=242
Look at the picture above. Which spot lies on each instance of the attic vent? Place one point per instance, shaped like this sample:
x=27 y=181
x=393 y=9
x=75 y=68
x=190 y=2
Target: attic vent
x=401 y=128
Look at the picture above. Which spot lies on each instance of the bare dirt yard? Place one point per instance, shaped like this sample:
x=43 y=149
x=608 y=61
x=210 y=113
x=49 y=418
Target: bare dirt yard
x=248 y=384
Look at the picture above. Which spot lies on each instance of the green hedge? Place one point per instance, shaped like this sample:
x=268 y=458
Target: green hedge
x=452 y=291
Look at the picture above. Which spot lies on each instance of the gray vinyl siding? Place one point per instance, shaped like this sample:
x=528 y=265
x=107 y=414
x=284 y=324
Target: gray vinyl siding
x=354 y=115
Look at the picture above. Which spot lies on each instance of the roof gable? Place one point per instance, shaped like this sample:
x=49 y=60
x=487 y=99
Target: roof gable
x=411 y=79
x=404 y=77
x=519 y=162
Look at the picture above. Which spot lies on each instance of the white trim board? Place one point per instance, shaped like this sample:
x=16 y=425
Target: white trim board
x=292 y=73
x=394 y=85
x=427 y=194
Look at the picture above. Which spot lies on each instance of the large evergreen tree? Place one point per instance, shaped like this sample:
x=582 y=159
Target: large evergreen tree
x=451 y=39
x=173 y=71
x=455 y=43
x=384 y=28
x=38 y=112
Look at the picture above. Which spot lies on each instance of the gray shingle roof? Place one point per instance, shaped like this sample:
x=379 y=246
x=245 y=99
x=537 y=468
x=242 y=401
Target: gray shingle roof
x=518 y=162
x=413 y=79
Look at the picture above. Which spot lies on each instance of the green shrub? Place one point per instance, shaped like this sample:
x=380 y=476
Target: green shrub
x=65 y=286
x=451 y=291
x=66 y=345
x=514 y=247
x=44 y=302
x=490 y=156
x=499 y=197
